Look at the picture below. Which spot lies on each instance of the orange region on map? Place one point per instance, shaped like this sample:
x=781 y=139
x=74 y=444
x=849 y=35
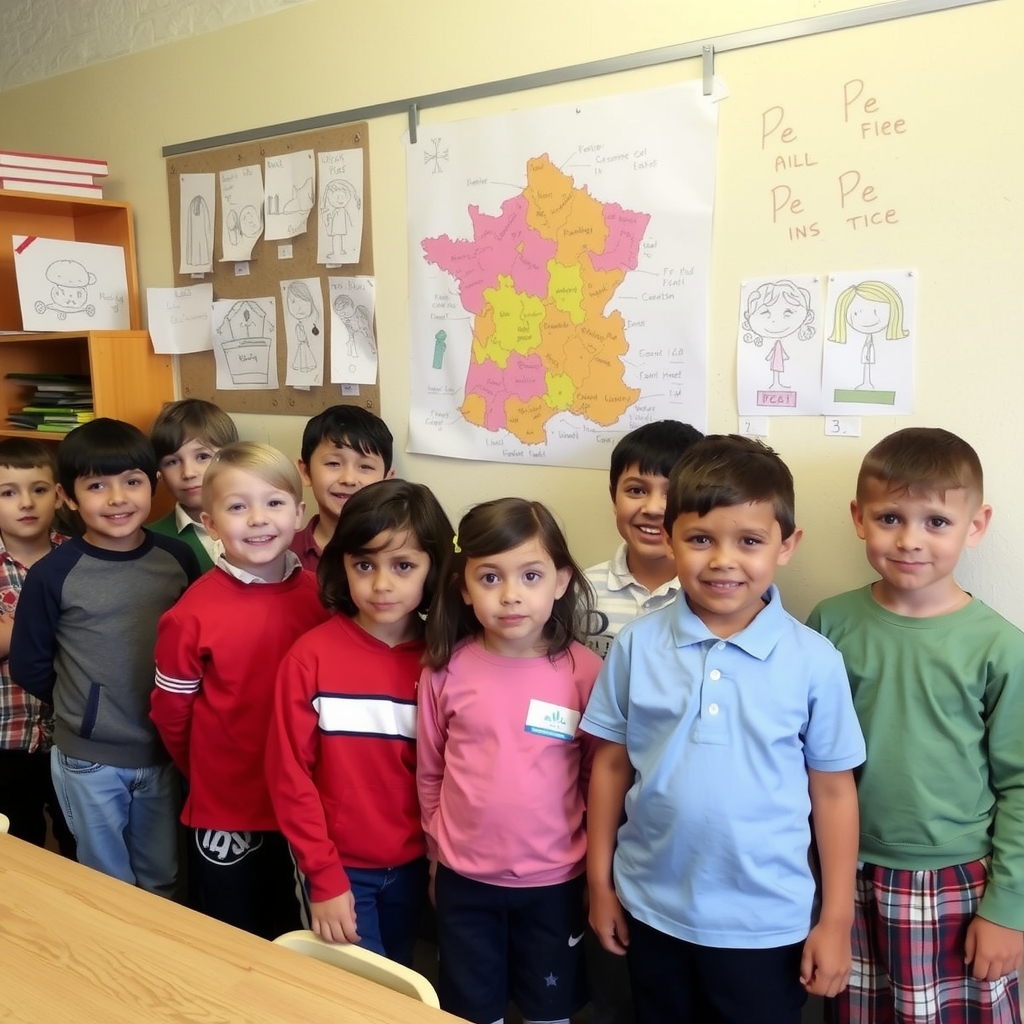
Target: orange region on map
x=541 y=341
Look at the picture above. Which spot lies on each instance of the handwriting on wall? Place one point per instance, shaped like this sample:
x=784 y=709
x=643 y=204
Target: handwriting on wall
x=857 y=202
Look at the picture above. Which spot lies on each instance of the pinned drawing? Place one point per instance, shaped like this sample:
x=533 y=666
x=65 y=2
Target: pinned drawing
x=289 y=193
x=196 y=223
x=63 y=285
x=245 y=344
x=778 y=365
x=303 y=304
x=241 y=206
x=341 y=207
x=870 y=340
x=353 y=342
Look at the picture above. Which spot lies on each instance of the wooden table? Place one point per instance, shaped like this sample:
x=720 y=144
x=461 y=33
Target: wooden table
x=77 y=947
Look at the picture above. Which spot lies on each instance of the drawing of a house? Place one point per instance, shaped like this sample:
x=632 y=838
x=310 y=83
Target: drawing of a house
x=248 y=351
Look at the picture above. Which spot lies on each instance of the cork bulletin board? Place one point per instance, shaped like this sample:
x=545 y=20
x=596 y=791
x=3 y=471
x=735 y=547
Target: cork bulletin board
x=266 y=271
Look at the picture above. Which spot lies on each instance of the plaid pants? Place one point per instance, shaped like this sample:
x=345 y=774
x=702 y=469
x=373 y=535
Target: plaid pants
x=908 y=951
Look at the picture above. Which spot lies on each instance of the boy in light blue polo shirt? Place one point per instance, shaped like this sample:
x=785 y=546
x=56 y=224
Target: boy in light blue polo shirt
x=725 y=726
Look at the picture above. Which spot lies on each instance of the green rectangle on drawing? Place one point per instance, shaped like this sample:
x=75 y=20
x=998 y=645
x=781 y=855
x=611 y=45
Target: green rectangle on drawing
x=866 y=397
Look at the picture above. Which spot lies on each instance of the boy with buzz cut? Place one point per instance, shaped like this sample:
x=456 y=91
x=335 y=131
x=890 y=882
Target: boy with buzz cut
x=724 y=727
x=83 y=641
x=641 y=576
x=343 y=448
x=185 y=436
x=938 y=684
x=217 y=654
x=28 y=504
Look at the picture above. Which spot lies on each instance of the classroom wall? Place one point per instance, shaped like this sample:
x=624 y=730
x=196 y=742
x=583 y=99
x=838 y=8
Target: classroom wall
x=952 y=177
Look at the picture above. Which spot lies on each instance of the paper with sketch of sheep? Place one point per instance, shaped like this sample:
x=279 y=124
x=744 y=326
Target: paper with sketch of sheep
x=245 y=345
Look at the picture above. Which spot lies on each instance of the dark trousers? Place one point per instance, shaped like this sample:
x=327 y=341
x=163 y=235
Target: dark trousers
x=683 y=983
x=246 y=879
x=27 y=796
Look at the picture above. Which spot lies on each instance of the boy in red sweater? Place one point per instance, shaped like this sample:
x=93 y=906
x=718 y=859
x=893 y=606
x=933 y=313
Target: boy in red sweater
x=217 y=653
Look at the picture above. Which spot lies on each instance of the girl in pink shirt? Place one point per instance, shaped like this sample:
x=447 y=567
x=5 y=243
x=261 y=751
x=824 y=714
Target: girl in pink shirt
x=502 y=768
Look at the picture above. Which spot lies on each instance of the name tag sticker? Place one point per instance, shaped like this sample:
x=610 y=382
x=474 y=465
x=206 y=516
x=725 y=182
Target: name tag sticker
x=552 y=720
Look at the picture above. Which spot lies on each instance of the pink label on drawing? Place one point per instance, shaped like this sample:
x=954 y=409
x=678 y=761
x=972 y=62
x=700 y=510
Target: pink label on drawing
x=784 y=399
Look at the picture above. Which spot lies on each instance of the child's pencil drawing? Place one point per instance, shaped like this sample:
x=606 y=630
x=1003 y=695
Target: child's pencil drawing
x=302 y=302
x=196 y=223
x=779 y=347
x=289 y=193
x=70 y=291
x=341 y=207
x=353 y=342
x=241 y=204
x=245 y=344
x=870 y=340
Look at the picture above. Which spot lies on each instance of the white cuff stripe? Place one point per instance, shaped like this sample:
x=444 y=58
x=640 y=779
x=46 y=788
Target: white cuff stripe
x=374 y=716
x=172 y=685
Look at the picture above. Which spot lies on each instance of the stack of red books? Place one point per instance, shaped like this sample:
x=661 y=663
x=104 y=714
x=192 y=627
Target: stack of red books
x=57 y=175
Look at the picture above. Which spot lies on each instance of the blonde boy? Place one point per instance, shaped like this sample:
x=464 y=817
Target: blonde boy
x=217 y=653
x=938 y=684
x=186 y=435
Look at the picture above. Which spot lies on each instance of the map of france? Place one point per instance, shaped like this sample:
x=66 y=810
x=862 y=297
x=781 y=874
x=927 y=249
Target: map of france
x=537 y=279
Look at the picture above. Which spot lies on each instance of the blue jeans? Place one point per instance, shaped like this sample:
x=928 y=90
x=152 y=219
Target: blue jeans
x=124 y=819
x=389 y=904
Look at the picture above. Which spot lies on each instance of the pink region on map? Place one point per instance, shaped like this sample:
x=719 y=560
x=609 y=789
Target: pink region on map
x=622 y=247
x=523 y=378
x=500 y=245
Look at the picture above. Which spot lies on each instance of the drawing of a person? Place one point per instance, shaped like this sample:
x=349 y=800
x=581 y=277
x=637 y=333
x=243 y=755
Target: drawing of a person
x=303 y=310
x=777 y=310
x=334 y=204
x=867 y=309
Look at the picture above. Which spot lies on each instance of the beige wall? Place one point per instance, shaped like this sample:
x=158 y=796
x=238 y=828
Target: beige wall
x=954 y=178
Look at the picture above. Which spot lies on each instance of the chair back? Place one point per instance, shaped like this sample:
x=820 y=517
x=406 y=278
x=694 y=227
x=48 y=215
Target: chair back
x=366 y=964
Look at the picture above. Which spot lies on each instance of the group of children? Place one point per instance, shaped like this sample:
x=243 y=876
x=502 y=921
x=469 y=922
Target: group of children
x=430 y=714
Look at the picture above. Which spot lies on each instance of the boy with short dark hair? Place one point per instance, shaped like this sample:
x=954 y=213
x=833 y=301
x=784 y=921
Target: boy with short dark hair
x=641 y=577
x=83 y=639
x=217 y=654
x=344 y=448
x=724 y=726
x=938 y=684
x=28 y=502
x=185 y=436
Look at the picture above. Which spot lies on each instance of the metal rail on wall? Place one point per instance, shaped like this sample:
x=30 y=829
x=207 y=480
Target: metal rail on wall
x=704 y=48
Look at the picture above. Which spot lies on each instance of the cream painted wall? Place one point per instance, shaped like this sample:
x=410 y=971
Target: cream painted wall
x=954 y=180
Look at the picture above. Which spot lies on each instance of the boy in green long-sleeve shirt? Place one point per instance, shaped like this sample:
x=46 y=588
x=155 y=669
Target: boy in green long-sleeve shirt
x=938 y=684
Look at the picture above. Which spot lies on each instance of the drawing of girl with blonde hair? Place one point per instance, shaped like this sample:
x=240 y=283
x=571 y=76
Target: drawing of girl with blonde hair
x=868 y=309
x=777 y=310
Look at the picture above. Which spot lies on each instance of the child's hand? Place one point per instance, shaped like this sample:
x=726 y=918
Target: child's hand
x=994 y=951
x=825 y=964
x=608 y=919
x=334 y=920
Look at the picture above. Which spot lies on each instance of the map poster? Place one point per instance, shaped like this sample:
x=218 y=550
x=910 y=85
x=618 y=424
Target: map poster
x=559 y=263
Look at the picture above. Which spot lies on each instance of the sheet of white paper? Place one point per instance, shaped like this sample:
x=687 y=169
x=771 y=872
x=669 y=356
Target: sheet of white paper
x=70 y=286
x=868 y=363
x=353 y=340
x=302 y=301
x=245 y=344
x=778 y=347
x=179 y=319
x=195 y=222
x=341 y=207
x=290 y=190
x=241 y=211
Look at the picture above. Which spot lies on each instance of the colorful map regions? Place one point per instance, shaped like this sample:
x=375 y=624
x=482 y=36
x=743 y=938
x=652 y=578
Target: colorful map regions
x=537 y=279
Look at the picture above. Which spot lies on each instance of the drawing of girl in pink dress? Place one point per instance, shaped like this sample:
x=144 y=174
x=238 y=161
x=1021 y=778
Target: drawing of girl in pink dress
x=777 y=310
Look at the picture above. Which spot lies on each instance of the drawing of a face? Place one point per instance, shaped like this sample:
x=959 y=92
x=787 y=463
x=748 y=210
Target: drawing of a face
x=249 y=221
x=779 y=319
x=867 y=317
x=299 y=307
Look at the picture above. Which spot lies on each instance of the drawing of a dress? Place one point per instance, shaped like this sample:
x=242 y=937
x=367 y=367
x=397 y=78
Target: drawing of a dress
x=777 y=358
x=197 y=243
x=304 y=360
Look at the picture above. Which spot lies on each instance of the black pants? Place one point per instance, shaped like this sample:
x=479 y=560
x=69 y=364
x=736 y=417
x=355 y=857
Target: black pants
x=27 y=796
x=678 y=982
x=246 y=879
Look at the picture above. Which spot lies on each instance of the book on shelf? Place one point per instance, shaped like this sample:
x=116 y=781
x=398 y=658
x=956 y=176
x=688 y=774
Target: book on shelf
x=52 y=188
x=35 y=174
x=53 y=162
